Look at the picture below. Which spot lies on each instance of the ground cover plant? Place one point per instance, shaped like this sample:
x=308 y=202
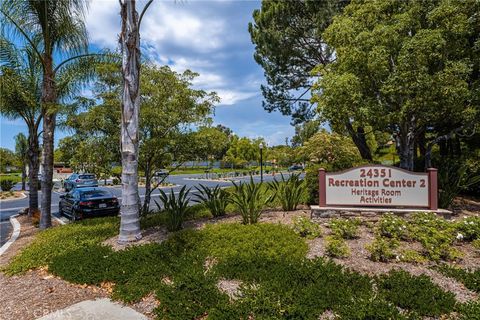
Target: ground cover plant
x=268 y=260
x=305 y=227
x=470 y=278
x=345 y=228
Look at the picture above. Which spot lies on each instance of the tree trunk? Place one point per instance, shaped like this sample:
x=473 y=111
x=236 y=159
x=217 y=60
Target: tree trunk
x=148 y=187
x=24 y=175
x=406 y=144
x=359 y=140
x=130 y=44
x=49 y=120
x=33 y=166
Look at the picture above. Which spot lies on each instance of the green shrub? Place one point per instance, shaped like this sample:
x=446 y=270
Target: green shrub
x=453 y=178
x=115 y=181
x=417 y=294
x=176 y=208
x=469 y=311
x=469 y=228
x=336 y=247
x=7 y=184
x=382 y=249
x=215 y=199
x=374 y=309
x=77 y=265
x=306 y=228
x=470 y=278
x=411 y=256
x=288 y=191
x=392 y=226
x=436 y=235
x=61 y=240
x=311 y=183
x=345 y=228
x=476 y=244
x=250 y=199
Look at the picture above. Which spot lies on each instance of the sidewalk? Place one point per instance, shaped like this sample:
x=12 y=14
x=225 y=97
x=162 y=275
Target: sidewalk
x=100 y=309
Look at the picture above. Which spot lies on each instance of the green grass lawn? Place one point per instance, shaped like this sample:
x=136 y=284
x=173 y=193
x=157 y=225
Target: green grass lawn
x=277 y=280
x=197 y=170
x=16 y=177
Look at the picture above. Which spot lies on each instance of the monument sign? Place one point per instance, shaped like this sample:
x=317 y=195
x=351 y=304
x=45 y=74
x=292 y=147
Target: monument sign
x=378 y=186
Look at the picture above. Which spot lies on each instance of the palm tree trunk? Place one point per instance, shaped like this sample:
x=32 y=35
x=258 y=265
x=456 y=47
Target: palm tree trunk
x=33 y=166
x=49 y=121
x=24 y=175
x=130 y=44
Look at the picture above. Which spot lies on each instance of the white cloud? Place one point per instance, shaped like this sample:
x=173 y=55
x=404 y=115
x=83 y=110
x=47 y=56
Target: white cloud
x=231 y=97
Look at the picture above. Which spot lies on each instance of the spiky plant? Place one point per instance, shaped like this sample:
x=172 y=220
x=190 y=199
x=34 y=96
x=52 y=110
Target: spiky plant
x=288 y=191
x=250 y=199
x=215 y=199
x=176 y=208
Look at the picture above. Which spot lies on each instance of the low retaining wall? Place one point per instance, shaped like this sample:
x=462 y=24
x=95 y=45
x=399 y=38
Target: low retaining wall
x=318 y=212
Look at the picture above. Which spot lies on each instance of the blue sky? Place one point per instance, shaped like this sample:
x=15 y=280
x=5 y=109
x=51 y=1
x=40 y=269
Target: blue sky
x=208 y=37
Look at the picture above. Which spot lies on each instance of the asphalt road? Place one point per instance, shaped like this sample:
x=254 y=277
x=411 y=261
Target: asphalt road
x=11 y=207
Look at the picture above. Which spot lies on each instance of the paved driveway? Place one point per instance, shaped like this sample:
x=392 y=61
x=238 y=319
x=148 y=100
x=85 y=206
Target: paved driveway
x=11 y=207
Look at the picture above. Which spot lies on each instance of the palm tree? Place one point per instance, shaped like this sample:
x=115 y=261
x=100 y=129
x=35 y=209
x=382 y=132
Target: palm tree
x=130 y=45
x=20 y=81
x=21 y=149
x=51 y=28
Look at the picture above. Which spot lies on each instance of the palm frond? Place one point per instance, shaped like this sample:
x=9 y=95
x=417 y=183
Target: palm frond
x=77 y=72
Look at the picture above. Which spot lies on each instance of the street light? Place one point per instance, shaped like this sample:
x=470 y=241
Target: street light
x=261 y=162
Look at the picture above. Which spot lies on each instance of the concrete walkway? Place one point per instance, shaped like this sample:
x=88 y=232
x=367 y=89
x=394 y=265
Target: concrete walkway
x=100 y=309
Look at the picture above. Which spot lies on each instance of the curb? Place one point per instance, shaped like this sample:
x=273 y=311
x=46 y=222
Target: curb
x=15 y=234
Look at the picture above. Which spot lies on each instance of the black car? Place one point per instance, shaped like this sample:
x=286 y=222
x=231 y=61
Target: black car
x=88 y=202
x=295 y=167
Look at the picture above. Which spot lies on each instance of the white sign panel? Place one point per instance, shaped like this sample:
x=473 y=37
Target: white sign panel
x=377 y=186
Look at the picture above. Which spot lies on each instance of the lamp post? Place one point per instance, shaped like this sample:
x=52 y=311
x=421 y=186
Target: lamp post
x=261 y=162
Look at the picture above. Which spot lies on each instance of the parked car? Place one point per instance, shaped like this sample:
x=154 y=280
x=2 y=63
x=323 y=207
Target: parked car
x=88 y=202
x=295 y=167
x=161 y=173
x=79 y=180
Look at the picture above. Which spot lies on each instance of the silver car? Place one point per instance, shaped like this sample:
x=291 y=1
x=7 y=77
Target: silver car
x=79 y=180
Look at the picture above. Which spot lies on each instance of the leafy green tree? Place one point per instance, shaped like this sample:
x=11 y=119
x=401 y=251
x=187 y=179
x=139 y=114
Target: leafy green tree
x=212 y=142
x=409 y=68
x=21 y=151
x=169 y=106
x=7 y=159
x=332 y=150
x=290 y=44
x=304 y=131
x=243 y=151
x=282 y=155
x=52 y=29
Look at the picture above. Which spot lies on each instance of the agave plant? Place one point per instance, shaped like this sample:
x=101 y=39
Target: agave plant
x=250 y=199
x=216 y=199
x=288 y=191
x=176 y=208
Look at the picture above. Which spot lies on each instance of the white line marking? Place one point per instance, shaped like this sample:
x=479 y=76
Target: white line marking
x=15 y=234
x=18 y=208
